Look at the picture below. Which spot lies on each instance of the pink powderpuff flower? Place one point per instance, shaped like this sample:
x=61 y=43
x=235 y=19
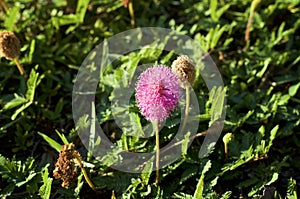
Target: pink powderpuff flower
x=157 y=92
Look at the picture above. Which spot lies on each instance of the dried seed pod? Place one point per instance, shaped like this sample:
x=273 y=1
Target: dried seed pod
x=9 y=45
x=64 y=167
x=185 y=69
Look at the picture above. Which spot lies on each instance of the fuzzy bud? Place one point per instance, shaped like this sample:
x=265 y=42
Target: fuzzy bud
x=185 y=69
x=9 y=45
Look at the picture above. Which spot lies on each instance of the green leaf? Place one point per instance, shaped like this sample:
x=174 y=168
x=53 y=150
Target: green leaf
x=265 y=67
x=51 y=142
x=18 y=172
x=226 y=195
x=182 y=196
x=184 y=146
x=221 y=11
x=4 y=162
x=19 y=110
x=292 y=189
x=245 y=157
x=216 y=35
x=59 y=107
x=76 y=19
x=27 y=179
x=200 y=186
x=63 y=20
x=266 y=183
x=17 y=101
x=81 y=10
x=31 y=85
x=83 y=122
x=79 y=185
x=217 y=99
x=284 y=99
x=213 y=8
x=216 y=14
x=45 y=189
x=60 y=3
x=31 y=51
x=62 y=137
x=137 y=129
x=11 y=18
x=293 y=89
x=272 y=137
x=145 y=176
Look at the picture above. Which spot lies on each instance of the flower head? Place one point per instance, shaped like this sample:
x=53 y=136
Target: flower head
x=185 y=69
x=9 y=45
x=157 y=92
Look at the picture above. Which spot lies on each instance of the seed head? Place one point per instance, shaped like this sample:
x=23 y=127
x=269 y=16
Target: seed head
x=9 y=45
x=185 y=69
x=65 y=165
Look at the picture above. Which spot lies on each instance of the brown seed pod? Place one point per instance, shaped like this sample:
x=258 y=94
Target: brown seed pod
x=65 y=165
x=185 y=69
x=9 y=45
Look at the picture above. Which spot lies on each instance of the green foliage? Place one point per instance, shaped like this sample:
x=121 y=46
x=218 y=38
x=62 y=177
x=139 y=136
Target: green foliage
x=199 y=189
x=292 y=190
x=11 y=18
x=51 y=142
x=19 y=174
x=45 y=189
x=217 y=100
x=261 y=78
x=27 y=100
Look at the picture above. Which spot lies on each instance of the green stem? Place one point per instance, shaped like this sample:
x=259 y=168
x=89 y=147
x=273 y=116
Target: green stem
x=226 y=139
x=157 y=150
x=187 y=106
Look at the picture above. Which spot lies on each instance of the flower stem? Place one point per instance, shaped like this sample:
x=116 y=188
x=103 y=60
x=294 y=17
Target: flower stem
x=249 y=23
x=157 y=151
x=131 y=12
x=187 y=106
x=86 y=177
x=21 y=69
x=4 y=6
x=226 y=151
x=226 y=139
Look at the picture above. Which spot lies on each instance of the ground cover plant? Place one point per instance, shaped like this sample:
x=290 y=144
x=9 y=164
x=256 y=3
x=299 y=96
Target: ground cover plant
x=254 y=44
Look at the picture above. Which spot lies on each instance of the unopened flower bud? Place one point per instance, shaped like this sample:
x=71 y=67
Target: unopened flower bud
x=185 y=69
x=9 y=45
